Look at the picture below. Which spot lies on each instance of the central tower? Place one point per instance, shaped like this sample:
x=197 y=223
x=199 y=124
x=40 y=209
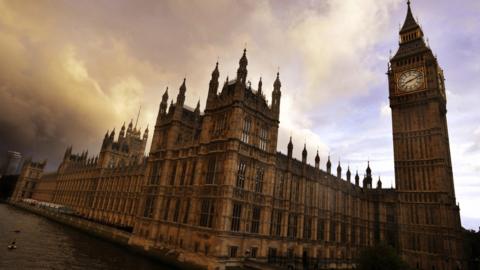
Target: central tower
x=428 y=217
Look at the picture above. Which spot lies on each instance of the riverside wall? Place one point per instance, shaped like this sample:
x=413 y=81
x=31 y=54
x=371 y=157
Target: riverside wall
x=166 y=256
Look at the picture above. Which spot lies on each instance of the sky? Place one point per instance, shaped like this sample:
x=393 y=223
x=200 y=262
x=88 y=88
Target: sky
x=71 y=70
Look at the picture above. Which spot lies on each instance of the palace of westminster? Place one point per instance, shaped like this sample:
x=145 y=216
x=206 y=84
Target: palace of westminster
x=214 y=188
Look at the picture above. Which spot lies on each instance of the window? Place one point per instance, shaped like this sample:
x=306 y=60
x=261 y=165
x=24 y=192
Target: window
x=192 y=176
x=176 y=211
x=279 y=185
x=253 y=252
x=263 y=138
x=333 y=232
x=174 y=173
x=321 y=229
x=307 y=228
x=206 y=213
x=247 y=124
x=212 y=163
x=255 y=219
x=259 y=181
x=236 y=216
x=292 y=226
x=154 y=176
x=276 y=229
x=242 y=167
x=187 y=209
x=149 y=202
x=165 y=211
x=272 y=255
x=232 y=251
x=353 y=235
x=184 y=170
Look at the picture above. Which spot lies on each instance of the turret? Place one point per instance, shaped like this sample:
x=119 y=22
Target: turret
x=181 y=94
x=357 y=179
x=290 y=148
x=242 y=69
x=259 y=90
x=379 y=183
x=197 y=109
x=122 y=131
x=339 y=170
x=130 y=128
x=304 y=154
x=213 y=85
x=317 y=161
x=349 y=174
x=112 y=135
x=276 y=96
x=163 y=105
x=329 y=165
x=367 y=181
x=68 y=153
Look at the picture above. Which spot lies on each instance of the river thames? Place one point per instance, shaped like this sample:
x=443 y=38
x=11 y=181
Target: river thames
x=44 y=244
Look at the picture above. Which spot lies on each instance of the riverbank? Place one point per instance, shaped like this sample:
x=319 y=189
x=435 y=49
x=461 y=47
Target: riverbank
x=113 y=235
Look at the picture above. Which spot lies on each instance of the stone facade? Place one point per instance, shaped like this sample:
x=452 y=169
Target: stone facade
x=215 y=188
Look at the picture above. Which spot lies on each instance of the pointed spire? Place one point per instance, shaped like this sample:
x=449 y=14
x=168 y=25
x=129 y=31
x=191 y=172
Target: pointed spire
x=339 y=170
x=349 y=174
x=329 y=165
x=290 y=148
x=213 y=85
x=260 y=86
x=317 y=161
x=277 y=84
x=165 y=95
x=242 y=68
x=357 y=179
x=304 y=153
x=183 y=87
x=368 y=170
x=410 y=22
x=181 y=95
x=244 y=61
x=197 y=109
x=130 y=125
x=379 y=183
x=215 y=72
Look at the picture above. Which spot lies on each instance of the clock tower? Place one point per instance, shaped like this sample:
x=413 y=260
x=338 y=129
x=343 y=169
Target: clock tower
x=429 y=218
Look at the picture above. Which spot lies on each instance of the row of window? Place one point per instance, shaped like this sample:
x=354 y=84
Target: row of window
x=263 y=134
x=241 y=176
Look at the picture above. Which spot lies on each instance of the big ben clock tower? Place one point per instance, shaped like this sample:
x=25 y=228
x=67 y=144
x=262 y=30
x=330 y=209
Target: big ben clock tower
x=429 y=219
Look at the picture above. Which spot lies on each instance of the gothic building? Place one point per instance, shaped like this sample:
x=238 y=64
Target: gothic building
x=215 y=189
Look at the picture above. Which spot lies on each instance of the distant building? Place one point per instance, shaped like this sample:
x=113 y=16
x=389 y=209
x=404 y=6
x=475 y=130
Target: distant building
x=215 y=188
x=12 y=163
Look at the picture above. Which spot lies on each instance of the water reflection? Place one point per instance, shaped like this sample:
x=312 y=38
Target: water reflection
x=43 y=244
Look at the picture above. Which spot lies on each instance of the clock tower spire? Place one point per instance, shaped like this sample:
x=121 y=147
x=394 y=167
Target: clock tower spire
x=423 y=168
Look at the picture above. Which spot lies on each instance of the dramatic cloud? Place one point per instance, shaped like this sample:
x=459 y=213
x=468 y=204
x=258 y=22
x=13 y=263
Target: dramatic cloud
x=70 y=70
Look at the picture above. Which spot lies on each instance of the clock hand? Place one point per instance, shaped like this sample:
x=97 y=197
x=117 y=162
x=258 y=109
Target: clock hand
x=412 y=79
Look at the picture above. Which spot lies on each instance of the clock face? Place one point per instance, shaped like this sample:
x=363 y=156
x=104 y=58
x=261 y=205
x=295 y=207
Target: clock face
x=410 y=80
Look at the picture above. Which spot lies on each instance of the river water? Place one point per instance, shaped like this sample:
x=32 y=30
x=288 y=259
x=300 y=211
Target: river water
x=44 y=244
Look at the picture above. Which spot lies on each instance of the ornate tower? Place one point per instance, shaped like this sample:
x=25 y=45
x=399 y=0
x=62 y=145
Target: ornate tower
x=429 y=217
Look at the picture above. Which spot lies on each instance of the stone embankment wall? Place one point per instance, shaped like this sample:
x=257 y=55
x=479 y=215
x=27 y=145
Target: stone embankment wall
x=165 y=256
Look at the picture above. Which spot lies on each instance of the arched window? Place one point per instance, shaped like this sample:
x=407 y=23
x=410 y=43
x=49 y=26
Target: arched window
x=263 y=138
x=247 y=124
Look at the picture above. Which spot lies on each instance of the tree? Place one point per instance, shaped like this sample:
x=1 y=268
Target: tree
x=380 y=257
